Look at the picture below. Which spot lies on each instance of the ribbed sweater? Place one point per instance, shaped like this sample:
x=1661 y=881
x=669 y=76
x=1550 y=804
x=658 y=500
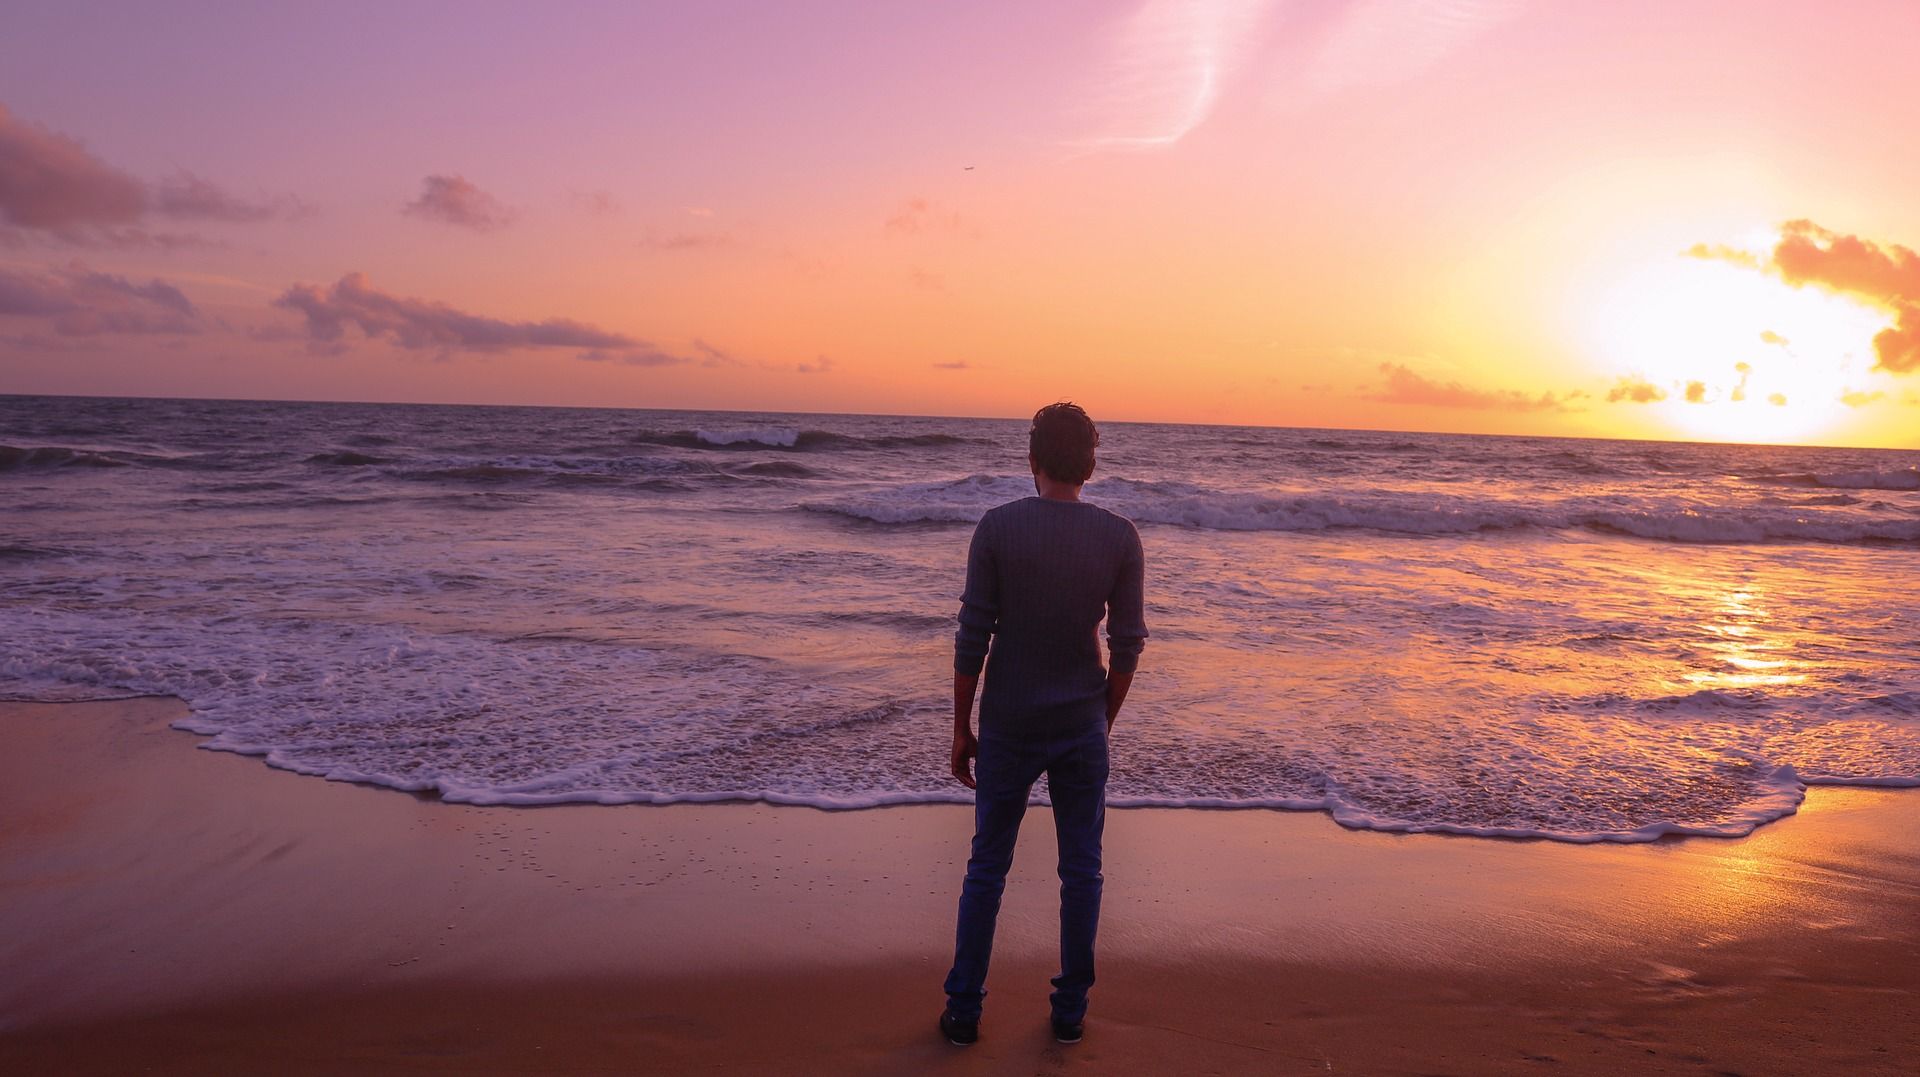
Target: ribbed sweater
x=1041 y=573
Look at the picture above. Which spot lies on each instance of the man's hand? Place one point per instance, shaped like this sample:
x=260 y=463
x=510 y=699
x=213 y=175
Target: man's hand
x=964 y=746
x=1117 y=685
x=964 y=749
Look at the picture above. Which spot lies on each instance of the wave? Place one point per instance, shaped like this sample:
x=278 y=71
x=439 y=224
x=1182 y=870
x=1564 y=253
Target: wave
x=1898 y=479
x=795 y=439
x=17 y=458
x=776 y=469
x=48 y=457
x=778 y=437
x=23 y=551
x=1180 y=504
x=345 y=458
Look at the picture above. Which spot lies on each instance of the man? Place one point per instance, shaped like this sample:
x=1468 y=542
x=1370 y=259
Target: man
x=1041 y=572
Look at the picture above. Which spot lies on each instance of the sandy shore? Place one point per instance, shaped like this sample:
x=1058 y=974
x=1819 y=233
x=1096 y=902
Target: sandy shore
x=169 y=910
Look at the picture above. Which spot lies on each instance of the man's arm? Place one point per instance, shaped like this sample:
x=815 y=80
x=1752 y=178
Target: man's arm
x=979 y=618
x=1126 y=625
x=964 y=746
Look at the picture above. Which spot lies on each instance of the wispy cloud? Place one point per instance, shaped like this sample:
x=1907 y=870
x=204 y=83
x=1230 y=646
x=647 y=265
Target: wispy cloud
x=1405 y=385
x=1166 y=69
x=1382 y=41
x=1886 y=275
x=922 y=216
x=641 y=356
x=656 y=239
x=455 y=200
x=595 y=203
x=190 y=197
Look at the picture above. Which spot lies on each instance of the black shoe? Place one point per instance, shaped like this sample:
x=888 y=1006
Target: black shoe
x=958 y=1030
x=1068 y=1031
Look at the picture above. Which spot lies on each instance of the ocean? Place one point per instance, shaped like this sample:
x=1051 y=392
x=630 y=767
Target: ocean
x=1571 y=639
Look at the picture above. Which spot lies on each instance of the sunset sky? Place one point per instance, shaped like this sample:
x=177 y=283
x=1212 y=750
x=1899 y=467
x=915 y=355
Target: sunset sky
x=1634 y=219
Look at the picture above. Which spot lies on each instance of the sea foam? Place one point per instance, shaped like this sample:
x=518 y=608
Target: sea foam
x=1582 y=641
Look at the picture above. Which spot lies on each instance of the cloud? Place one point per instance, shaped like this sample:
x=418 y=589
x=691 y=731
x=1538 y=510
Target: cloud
x=1720 y=252
x=1635 y=390
x=958 y=364
x=1778 y=400
x=53 y=183
x=595 y=203
x=1860 y=398
x=1884 y=274
x=641 y=356
x=683 y=241
x=79 y=302
x=1768 y=336
x=918 y=216
x=1406 y=386
x=1165 y=70
x=1696 y=392
x=1383 y=41
x=419 y=324
x=187 y=196
x=713 y=357
x=455 y=200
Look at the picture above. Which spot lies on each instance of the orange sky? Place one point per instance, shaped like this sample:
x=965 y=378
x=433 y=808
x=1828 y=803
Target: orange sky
x=1469 y=215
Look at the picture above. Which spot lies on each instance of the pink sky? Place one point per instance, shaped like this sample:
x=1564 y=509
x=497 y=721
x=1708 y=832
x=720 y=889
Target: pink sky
x=1421 y=214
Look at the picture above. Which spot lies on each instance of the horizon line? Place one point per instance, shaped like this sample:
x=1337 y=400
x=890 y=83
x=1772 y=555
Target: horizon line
x=964 y=418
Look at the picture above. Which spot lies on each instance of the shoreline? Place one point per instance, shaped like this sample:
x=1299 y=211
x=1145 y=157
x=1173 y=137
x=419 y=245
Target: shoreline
x=174 y=909
x=1336 y=811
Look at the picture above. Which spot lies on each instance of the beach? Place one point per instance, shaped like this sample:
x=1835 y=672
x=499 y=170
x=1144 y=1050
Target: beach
x=170 y=910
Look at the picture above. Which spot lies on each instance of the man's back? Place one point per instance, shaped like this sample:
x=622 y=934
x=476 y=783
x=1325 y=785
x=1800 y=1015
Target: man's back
x=1041 y=573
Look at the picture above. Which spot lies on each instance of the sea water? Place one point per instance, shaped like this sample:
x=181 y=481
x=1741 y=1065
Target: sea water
x=1574 y=639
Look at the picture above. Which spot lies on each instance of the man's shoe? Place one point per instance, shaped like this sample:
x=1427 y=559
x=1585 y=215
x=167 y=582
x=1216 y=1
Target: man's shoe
x=1068 y=1031
x=958 y=1030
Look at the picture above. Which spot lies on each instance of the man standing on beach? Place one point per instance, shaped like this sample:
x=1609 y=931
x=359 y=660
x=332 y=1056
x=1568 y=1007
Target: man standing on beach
x=1041 y=573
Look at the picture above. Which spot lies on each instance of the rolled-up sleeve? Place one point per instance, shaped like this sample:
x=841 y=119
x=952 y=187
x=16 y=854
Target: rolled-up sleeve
x=1126 y=615
x=979 y=604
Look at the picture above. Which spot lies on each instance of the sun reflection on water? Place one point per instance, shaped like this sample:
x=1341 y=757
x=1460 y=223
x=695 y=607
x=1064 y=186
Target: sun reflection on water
x=1751 y=649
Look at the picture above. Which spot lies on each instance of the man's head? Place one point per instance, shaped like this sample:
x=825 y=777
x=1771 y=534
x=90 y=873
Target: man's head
x=1061 y=442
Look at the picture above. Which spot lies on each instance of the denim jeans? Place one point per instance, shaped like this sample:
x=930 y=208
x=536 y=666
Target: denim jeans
x=1075 y=763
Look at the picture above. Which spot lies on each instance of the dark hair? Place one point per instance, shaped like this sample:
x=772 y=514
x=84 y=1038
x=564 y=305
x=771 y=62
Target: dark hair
x=1062 y=441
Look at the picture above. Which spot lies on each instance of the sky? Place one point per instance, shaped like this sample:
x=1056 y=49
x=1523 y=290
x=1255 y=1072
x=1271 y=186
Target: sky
x=1634 y=219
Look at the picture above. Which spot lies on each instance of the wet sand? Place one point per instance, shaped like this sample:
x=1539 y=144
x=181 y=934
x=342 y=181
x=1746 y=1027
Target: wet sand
x=169 y=910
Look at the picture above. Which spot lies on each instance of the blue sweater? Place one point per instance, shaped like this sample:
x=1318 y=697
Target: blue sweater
x=1040 y=575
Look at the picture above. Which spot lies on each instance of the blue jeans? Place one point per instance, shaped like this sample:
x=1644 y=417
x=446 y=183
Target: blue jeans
x=1075 y=763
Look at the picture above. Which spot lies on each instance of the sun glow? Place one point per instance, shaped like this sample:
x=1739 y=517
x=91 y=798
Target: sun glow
x=1722 y=352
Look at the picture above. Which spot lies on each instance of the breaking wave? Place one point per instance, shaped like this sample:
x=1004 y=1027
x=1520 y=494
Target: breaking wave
x=1181 y=504
x=799 y=440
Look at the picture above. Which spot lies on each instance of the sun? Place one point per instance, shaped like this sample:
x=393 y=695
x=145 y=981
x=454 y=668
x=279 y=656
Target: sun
x=1733 y=354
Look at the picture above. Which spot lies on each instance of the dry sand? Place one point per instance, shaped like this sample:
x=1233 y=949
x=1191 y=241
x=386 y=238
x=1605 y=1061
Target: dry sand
x=167 y=910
